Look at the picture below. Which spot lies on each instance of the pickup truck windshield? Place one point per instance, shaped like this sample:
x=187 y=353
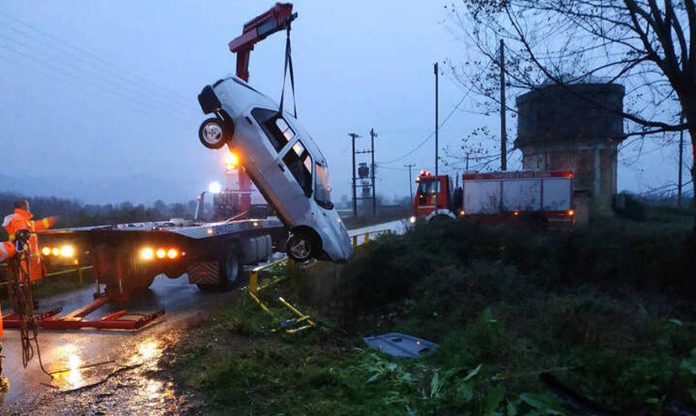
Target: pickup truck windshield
x=322 y=188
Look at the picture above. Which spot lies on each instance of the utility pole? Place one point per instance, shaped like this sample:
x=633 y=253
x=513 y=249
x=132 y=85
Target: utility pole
x=437 y=116
x=410 y=178
x=372 y=172
x=354 y=136
x=681 y=161
x=503 y=128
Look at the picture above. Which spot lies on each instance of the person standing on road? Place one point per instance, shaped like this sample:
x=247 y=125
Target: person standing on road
x=22 y=220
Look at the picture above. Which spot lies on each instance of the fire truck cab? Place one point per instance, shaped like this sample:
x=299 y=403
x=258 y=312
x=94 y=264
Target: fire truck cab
x=434 y=196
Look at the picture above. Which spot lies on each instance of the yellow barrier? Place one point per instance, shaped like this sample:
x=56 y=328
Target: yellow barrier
x=366 y=236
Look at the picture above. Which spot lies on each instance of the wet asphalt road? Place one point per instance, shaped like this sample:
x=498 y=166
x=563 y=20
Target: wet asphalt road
x=86 y=357
x=83 y=359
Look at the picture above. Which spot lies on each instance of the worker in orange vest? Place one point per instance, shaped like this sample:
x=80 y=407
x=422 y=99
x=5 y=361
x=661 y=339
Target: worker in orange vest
x=22 y=220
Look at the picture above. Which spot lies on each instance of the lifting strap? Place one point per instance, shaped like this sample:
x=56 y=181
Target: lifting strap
x=288 y=66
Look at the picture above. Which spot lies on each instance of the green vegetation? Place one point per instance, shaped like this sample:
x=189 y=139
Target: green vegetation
x=608 y=310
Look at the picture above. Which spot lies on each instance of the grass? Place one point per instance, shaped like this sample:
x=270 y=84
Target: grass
x=608 y=310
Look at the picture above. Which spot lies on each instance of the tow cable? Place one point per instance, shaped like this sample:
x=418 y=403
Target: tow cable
x=22 y=300
x=288 y=68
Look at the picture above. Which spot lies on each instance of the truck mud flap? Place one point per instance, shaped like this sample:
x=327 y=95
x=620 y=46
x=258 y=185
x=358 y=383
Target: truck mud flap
x=204 y=273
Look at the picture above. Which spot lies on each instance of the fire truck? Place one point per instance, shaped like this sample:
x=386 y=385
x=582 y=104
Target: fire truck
x=497 y=196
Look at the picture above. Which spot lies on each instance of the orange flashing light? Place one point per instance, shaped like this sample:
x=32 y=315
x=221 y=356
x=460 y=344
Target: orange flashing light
x=231 y=160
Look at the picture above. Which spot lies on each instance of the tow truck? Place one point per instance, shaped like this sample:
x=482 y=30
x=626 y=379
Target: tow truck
x=127 y=257
x=497 y=196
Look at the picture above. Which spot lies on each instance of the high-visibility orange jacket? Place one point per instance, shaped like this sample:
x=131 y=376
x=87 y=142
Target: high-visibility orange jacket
x=22 y=220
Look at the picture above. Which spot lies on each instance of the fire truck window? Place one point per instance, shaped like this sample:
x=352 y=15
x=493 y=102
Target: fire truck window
x=429 y=188
x=322 y=188
x=300 y=165
x=277 y=130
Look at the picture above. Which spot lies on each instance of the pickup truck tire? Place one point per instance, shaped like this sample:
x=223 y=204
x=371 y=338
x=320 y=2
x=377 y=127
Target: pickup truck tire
x=214 y=133
x=302 y=246
x=230 y=276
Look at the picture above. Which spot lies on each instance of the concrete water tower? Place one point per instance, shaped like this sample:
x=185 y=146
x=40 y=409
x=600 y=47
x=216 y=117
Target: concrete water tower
x=574 y=127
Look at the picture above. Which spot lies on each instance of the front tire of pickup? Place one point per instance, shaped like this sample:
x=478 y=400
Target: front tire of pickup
x=302 y=246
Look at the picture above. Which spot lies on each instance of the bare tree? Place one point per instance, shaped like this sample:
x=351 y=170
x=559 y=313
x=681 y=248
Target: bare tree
x=647 y=45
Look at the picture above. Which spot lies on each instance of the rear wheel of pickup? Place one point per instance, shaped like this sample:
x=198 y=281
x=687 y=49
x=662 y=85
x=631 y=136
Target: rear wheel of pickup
x=214 y=133
x=229 y=275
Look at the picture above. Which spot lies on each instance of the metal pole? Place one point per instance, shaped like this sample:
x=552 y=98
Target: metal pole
x=681 y=161
x=503 y=128
x=437 y=116
x=372 y=172
x=410 y=179
x=354 y=136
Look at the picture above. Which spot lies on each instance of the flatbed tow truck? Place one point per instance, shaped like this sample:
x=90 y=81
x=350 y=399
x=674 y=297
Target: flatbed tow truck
x=127 y=257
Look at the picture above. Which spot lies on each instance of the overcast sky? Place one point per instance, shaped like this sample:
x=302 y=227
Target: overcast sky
x=98 y=99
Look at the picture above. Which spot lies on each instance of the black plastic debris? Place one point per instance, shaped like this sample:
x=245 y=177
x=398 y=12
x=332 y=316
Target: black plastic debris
x=400 y=345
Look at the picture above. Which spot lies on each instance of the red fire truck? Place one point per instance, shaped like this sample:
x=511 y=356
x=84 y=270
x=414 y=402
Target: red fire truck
x=497 y=196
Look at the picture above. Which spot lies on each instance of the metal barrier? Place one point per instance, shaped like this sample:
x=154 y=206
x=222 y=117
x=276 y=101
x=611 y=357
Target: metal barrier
x=366 y=236
x=301 y=321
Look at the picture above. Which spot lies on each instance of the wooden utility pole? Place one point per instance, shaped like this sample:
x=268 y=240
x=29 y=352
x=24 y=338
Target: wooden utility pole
x=681 y=161
x=354 y=136
x=437 y=116
x=372 y=172
x=410 y=178
x=503 y=128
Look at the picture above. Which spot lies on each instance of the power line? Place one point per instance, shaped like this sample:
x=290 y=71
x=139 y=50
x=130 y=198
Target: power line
x=72 y=79
x=101 y=62
x=97 y=80
x=430 y=136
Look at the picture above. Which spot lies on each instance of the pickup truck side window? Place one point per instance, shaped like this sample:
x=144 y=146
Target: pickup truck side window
x=322 y=188
x=277 y=130
x=299 y=162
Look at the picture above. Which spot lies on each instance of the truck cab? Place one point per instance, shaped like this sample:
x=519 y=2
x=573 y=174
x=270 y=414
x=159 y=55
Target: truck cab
x=433 y=195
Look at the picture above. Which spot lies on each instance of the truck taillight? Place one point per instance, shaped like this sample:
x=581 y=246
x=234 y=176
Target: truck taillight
x=570 y=212
x=462 y=213
x=160 y=253
x=66 y=250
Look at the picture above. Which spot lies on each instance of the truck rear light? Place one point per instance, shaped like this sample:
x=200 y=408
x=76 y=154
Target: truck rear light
x=516 y=213
x=67 y=251
x=147 y=253
x=462 y=213
x=570 y=212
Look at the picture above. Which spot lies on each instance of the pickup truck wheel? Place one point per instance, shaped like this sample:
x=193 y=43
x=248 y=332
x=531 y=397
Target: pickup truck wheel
x=301 y=247
x=213 y=133
x=229 y=275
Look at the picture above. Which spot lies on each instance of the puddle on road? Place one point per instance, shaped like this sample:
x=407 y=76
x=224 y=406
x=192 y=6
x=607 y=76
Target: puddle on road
x=75 y=371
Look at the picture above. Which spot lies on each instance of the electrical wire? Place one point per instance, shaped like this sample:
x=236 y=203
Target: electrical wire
x=430 y=136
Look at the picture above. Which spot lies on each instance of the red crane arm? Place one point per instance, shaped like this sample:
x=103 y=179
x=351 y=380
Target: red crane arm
x=257 y=29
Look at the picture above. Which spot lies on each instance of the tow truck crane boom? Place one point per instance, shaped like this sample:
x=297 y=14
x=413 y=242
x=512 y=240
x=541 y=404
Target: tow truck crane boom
x=255 y=30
